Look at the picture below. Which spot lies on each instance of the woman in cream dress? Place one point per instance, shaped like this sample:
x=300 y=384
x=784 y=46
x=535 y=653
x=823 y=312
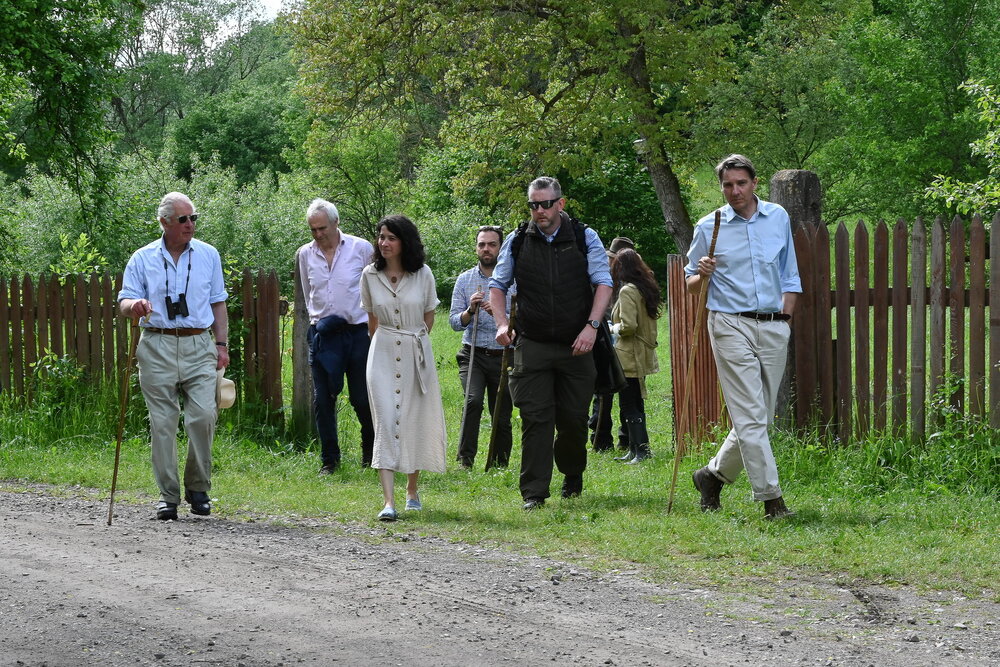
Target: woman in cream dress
x=398 y=292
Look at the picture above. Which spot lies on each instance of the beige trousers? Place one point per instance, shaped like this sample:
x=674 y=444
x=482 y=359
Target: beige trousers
x=171 y=367
x=750 y=358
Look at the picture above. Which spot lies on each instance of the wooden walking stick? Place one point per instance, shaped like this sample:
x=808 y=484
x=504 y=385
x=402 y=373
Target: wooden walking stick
x=491 y=453
x=472 y=360
x=689 y=376
x=126 y=378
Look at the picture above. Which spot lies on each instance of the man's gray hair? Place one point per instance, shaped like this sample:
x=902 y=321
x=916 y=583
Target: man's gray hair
x=166 y=208
x=332 y=215
x=544 y=183
x=735 y=161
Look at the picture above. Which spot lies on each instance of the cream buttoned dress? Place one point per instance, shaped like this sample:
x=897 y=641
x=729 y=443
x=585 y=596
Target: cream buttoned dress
x=402 y=376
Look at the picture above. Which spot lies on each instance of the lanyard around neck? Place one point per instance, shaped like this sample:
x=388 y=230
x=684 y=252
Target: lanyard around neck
x=166 y=273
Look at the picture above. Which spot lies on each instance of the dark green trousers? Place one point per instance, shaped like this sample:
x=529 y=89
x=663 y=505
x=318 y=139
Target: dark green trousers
x=552 y=389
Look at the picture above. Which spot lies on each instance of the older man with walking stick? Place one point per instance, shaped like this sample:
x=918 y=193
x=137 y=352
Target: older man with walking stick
x=479 y=360
x=753 y=281
x=176 y=283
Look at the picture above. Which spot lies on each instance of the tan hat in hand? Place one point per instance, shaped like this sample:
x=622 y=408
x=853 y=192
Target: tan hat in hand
x=225 y=391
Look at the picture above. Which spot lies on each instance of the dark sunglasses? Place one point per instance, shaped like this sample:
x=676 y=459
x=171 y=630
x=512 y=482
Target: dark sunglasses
x=547 y=204
x=184 y=218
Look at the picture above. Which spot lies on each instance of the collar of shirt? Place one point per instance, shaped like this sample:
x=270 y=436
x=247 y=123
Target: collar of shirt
x=334 y=288
x=764 y=209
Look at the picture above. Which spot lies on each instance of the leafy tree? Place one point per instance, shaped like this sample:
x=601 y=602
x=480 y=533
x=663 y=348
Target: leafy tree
x=983 y=195
x=243 y=126
x=60 y=56
x=541 y=86
x=188 y=51
x=864 y=94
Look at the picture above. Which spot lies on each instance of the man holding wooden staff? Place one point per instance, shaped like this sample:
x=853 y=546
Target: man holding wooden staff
x=479 y=360
x=176 y=283
x=753 y=280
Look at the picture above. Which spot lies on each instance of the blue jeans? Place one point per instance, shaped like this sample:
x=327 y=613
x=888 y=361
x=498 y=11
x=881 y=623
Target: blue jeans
x=344 y=352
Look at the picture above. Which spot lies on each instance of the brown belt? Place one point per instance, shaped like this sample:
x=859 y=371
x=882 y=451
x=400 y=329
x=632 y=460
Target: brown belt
x=176 y=332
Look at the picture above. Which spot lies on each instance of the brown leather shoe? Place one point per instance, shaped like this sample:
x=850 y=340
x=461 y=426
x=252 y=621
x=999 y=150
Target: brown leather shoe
x=710 y=487
x=775 y=509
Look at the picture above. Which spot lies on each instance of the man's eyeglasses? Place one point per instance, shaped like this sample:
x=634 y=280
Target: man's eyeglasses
x=547 y=204
x=193 y=218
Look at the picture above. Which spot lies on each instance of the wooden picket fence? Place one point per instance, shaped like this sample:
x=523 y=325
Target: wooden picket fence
x=884 y=326
x=78 y=318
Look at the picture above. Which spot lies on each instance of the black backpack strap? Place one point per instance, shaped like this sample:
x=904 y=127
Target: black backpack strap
x=518 y=241
x=579 y=229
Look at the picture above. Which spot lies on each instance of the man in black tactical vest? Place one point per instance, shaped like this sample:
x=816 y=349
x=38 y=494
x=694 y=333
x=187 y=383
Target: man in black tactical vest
x=562 y=294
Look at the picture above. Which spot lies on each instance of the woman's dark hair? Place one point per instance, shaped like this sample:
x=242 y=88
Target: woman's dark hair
x=628 y=267
x=412 y=252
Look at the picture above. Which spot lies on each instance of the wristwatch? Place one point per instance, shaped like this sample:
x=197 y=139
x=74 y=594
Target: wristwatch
x=221 y=344
x=595 y=323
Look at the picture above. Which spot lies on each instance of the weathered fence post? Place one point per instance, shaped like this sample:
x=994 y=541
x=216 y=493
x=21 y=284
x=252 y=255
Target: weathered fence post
x=800 y=193
x=302 y=386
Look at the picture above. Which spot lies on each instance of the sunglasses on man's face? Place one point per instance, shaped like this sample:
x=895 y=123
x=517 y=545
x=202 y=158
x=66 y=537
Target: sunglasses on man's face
x=547 y=204
x=184 y=218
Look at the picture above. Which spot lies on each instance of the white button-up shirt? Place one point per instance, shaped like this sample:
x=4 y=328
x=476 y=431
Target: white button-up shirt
x=334 y=289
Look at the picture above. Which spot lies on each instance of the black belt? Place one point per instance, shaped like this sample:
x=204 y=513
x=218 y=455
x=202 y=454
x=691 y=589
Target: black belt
x=489 y=352
x=766 y=317
x=176 y=332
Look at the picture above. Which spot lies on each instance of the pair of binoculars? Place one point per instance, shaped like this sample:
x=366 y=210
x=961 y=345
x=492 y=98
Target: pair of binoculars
x=180 y=307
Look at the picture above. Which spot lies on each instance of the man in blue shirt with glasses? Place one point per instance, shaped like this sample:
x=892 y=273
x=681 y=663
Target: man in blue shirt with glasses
x=175 y=283
x=753 y=281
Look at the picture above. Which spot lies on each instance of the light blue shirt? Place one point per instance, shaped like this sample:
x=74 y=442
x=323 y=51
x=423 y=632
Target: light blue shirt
x=755 y=259
x=597 y=261
x=151 y=274
x=469 y=282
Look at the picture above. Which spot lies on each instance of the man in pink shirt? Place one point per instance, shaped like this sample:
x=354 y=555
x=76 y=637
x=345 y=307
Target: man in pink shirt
x=330 y=269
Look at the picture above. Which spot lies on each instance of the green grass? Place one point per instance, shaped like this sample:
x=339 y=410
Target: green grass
x=887 y=511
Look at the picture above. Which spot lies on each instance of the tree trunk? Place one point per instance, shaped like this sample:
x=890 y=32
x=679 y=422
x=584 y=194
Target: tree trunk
x=654 y=154
x=668 y=192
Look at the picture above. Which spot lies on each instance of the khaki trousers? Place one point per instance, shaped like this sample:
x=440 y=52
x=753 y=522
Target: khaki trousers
x=171 y=367
x=750 y=358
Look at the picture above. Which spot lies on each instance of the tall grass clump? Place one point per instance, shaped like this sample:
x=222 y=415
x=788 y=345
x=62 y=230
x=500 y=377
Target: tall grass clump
x=960 y=455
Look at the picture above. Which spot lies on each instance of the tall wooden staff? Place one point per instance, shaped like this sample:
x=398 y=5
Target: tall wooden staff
x=472 y=360
x=126 y=378
x=491 y=453
x=689 y=377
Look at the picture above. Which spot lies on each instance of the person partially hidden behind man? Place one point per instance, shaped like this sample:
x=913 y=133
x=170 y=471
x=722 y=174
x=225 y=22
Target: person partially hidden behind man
x=563 y=289
x=753 y=282
x=330 y=271
x=479 y=370
x=175 y=283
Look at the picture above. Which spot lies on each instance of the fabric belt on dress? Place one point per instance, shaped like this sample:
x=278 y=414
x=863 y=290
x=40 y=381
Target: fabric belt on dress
x=489 y=352
x=420 y=355
x=184 y=331
x=766 y=317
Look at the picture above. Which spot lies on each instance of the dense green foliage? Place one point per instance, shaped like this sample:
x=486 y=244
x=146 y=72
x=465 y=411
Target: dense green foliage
x=445 y=110
x=982 y=195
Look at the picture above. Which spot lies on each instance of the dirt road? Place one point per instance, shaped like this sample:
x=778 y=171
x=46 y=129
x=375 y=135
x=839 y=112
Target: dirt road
x=253 y=592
